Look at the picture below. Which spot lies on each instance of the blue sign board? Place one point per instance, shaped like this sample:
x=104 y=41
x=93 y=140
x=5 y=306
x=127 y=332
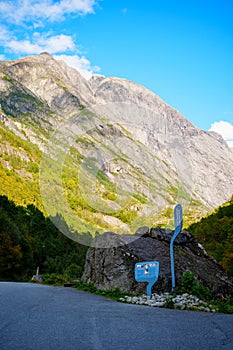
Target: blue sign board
x=147 y=271
x=178 y=221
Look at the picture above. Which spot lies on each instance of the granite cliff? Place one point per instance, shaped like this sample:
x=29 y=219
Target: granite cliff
x=131 y=156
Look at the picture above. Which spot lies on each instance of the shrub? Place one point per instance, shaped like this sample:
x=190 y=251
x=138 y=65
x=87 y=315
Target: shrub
x=189 y=284
x=54 y=279
x=169 y=303
x=74 y=271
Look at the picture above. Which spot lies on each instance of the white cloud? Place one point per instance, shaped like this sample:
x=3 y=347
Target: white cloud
x=23 y=11
x=52 y=44
x=2 y=57
x=80 y=6
x=225 y=129
x=58 y=43
x=33 y=15
x=82 y=64
x=23 y=46
x=4 y=33
x=6 y=6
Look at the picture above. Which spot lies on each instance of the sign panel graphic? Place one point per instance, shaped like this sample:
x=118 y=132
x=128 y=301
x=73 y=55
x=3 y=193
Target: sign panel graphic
x=147 y=271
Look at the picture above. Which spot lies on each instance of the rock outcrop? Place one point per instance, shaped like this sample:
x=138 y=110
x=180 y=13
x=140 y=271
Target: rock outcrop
x=112 y=267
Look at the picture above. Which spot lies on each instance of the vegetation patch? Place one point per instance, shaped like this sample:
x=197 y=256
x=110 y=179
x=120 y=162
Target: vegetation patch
x=29 y=240
x=215 y=233
x=115 y=294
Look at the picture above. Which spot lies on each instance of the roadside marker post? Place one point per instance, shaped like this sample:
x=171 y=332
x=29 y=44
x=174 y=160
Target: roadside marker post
x=147 y=271
x=178 y=221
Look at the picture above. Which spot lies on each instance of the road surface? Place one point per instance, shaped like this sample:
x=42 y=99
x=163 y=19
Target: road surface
x=40 y=317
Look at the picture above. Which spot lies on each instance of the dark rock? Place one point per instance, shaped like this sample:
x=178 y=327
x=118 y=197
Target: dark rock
x=166 y=234
x=161 y=234
x=142 y=231
x=113 y=267
x=184 y=238
x=71 y=283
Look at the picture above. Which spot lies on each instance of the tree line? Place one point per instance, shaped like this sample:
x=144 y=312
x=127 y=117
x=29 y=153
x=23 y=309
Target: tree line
x=215 y=232
x=28 y=239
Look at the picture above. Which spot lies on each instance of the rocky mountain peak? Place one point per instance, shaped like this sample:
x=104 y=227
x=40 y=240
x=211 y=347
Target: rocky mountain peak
x=137 y=141
x=63 y=88
x=45 y=53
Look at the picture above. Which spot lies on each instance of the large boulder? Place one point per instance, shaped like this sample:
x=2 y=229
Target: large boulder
x=112 y=267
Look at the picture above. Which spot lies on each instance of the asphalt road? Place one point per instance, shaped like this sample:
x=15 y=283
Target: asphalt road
x=41 y=317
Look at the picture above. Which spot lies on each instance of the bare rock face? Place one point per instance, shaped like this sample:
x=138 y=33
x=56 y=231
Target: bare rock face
x=113 y=267
x=169 y=136
x=144 y=147
x=61 y=87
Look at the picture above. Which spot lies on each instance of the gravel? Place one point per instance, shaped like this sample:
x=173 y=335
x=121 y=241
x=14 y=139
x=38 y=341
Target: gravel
x=182 y=302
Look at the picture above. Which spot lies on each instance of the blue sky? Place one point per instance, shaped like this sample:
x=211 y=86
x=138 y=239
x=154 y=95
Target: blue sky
x=181 y=50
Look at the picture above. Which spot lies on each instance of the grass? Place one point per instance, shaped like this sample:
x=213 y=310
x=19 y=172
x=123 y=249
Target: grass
x=59 y=280
x=188 y=285
x=225 y=305
x=115 y=294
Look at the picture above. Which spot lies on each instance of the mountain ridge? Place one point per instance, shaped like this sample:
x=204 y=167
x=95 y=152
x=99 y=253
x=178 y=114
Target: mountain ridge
x=146 y=155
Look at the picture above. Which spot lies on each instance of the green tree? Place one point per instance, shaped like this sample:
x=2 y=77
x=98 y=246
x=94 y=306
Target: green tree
x=10 y=257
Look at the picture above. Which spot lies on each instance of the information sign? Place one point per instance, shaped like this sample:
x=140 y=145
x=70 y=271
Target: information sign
x=147 y=271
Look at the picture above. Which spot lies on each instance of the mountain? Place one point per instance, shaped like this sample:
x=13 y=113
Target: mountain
x=105 y=153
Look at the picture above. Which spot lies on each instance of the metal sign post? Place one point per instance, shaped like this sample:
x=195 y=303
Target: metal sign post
x=147 y=271
x=178 y=221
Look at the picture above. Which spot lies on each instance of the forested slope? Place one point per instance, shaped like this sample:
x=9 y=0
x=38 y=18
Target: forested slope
x=215 y=232
x=28 y=240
